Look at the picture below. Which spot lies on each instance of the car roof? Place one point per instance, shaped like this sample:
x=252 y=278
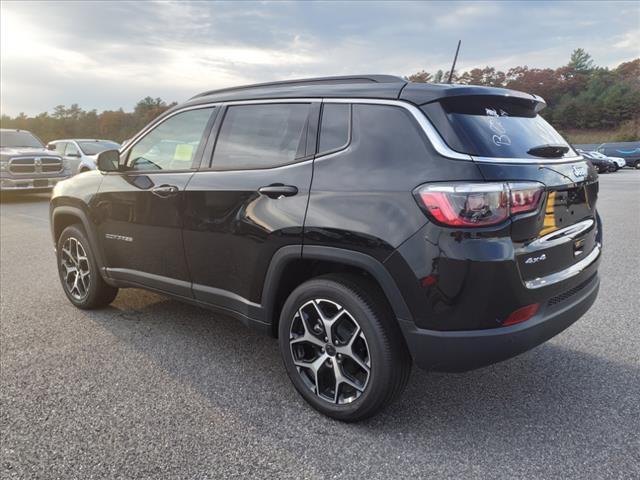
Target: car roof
x=82 y=140
x=352 y=86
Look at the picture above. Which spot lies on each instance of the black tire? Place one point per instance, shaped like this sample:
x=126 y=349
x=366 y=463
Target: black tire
x=637 y=165
x=388 y=357
x=97 y=292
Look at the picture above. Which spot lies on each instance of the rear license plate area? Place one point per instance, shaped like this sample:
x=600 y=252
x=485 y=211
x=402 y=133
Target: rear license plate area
x=560 y=254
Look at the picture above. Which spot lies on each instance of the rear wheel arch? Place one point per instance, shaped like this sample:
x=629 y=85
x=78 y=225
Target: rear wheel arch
x=291 y=266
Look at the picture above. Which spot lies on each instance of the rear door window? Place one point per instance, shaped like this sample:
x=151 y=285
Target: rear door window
x=489 y=126
x=261 y=136
x=334 y=127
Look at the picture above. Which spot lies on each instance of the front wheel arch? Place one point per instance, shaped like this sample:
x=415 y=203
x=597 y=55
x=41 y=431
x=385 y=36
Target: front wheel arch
x=64 y=216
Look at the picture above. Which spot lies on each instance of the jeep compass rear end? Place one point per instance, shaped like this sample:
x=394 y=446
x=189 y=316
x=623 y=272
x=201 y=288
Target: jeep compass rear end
x=367 y=222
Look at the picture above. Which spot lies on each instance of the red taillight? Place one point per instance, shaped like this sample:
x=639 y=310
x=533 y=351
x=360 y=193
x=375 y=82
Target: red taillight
x=478 y=204
x=522 y=314
x=524 y=197
x=429 y=281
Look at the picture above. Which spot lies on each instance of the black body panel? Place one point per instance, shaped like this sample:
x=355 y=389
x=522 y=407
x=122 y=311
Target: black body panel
x=467 y=350
x=231 y=231
x=362 y=197
x=140 y=230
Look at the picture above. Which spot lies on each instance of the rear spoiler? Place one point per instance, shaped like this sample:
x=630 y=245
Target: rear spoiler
x=421 y=93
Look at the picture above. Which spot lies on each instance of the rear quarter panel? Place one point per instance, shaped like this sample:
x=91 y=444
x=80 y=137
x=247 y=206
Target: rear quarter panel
x=361 y=197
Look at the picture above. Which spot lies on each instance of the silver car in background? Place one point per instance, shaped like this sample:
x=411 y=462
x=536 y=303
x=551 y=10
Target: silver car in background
x=620 y=162
x=81 y=153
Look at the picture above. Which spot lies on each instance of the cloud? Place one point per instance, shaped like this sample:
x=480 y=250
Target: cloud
x=629 y=39
x=107 y=55
x=472 y=12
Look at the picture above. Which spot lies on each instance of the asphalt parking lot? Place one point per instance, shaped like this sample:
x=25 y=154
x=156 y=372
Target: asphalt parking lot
x=151 y=388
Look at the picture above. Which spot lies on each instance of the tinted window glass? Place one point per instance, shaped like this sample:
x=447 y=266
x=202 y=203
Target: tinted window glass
x=172 y=145
x=19 y=139
x=261 y=136
x=495 y=127
x=334 y=128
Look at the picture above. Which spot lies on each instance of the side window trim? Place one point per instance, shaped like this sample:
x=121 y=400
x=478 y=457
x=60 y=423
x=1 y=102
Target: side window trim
x=311 y=128
x=349 y=132
x=207 y=161
x=197 y=157
x=313 y=131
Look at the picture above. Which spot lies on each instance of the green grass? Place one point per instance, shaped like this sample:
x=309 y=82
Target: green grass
x=627 y=132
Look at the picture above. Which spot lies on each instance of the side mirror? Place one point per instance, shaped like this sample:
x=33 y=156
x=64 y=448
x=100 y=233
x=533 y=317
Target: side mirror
x=108 y=161
x=51 y=146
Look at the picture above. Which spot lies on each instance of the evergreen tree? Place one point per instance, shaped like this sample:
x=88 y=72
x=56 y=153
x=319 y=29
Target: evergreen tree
x=581 y=61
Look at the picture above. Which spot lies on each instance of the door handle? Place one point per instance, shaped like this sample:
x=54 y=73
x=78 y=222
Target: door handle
x=165 y=190
x=278 y=190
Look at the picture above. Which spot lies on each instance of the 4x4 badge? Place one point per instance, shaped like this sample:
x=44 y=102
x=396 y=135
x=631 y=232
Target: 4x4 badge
x=531 y=260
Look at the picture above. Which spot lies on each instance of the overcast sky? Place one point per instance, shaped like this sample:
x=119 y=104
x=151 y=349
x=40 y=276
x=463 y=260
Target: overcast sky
x=109 y=55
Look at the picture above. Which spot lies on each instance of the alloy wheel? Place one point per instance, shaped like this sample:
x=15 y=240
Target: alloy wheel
x=75 y=268
x=330 y=351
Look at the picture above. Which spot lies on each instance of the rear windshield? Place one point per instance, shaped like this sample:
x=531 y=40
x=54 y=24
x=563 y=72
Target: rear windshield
x=489 y=126
x=19 y=139
x=92 y=148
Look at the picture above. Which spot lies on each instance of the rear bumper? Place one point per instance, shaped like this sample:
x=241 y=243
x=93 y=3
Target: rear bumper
x=18 y=184
x=458 y=351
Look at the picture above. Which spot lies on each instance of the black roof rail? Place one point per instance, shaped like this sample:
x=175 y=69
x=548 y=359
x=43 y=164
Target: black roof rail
x=312 y=81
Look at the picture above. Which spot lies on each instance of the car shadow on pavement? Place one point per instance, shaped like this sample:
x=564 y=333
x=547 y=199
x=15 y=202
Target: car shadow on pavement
x=552 y=388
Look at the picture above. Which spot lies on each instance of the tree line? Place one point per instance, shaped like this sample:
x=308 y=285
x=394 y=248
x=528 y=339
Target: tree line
x=579 y=95
x=74 y=122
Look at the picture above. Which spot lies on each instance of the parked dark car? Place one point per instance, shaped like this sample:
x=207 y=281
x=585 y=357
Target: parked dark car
x=367 y=222
x=630 y=151
x=25 y=165
x=602 y=164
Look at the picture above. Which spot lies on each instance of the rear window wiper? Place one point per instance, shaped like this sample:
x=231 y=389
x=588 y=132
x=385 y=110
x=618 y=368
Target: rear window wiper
x=548 y=151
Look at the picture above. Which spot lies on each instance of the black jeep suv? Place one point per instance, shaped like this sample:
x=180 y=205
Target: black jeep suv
x=367 y=222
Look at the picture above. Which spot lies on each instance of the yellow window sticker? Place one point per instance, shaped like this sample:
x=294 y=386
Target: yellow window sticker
x=183 y=152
